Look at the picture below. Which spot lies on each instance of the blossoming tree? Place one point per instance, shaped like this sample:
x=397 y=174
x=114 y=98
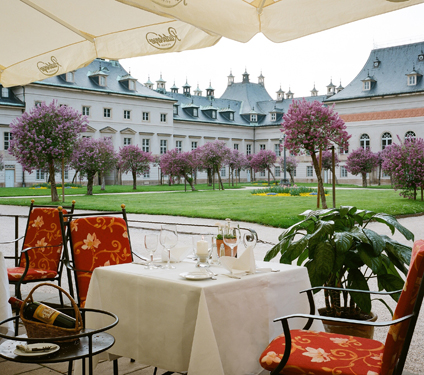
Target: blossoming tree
x=264 y=160
x=93 y=156
x=361 y=161
x=133 y=159
x=404 y=162
x=236 y=162
x=179 y=164
x=312 y=126
x=45 y=135
x=291 y=165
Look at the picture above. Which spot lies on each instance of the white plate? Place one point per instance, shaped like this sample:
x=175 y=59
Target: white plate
x=22 y=353
x=195 y=275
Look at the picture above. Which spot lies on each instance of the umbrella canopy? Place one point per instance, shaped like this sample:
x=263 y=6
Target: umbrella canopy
x=42 y=38
x=278 y=20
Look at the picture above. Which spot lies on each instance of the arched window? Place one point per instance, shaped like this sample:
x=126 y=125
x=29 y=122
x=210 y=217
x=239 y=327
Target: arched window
x=386 y=140
x=364 y=141
x=410 y=134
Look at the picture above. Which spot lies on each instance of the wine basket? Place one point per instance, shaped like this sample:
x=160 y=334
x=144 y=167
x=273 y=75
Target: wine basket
x=41 y=330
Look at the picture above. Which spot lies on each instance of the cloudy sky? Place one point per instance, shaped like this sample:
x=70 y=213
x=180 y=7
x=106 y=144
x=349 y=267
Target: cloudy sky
x=336 y=54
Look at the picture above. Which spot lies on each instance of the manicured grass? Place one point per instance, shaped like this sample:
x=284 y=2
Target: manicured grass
x=238 y=204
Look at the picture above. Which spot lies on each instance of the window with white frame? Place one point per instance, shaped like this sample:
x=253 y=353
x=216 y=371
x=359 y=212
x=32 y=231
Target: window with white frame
x=195 y=112
x=102 y=81
x=223 y=172
x=37 y=103
x=213 y=114
x=410 y=134
x=236 y=146
x=273 y=117
x=412 y=80
x=146 y=116
x=85 y=110
x=39 y=175
x=70 y=77
x=163 y=117
x=107 y=112
x=262 y=174
x=386 y=140
x=146 y=174
x=145 y=145
x=309 y=171
x=367 y=86
x=262 y=147
x=175 y=110
x=364 y=141
x=66 y=174
x=344 y=150
x=253 y=118
x=294 y=172
x=179 y=145
x=127 y=114
x=277 y=149
x=193 y=145
x=248 y=149
x=343 y=171
x=231 y=116
x=131 y=85
x=7 y=137
x=127 y=141
x=163 y=146
x=4 y=92
x=277 y=171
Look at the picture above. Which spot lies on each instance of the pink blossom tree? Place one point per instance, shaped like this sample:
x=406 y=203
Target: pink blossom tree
x=180 y=164
x=45 y=135
x=236 y=161
x=213 y=155
x=311 y=126
x=133 y=159
x=291 y=165
x=93 y=156
x=404 y=162
x=263 y=161
x=361 y=161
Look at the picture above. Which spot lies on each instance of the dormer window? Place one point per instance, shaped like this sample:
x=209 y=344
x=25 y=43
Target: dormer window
x=213 y=114
x=367 y=86
x=367 y=83
x=231 y=116
x=4 y=92
x=412 y=80
x=273 y=116
x=195 y=112
x=70 y=77
x=131 y=85
x=175 y=109
x=253 y=118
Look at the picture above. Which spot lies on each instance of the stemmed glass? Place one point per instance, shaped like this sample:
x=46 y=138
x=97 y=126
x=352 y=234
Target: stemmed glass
x=151 y=244
x=250 y=238
x=232 y=238
x=168 y=239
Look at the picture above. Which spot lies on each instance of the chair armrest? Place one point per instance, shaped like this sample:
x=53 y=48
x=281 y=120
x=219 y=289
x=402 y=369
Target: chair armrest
x=39 y=247
x=287 y=334
x=72 y=268
x=139 y=256
x=351 y=290
x=12 y=241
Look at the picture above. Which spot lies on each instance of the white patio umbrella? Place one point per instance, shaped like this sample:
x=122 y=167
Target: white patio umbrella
x=278 y=20
x=42 y=38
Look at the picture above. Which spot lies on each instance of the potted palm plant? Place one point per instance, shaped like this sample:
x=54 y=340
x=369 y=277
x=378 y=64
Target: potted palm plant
x=339 y=250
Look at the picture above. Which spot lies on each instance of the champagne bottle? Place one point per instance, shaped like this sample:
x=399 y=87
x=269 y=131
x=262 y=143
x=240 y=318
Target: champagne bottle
x=41 y=313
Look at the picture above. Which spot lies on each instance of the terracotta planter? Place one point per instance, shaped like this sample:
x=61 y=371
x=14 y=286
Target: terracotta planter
x=349 y=329
x=227 y=248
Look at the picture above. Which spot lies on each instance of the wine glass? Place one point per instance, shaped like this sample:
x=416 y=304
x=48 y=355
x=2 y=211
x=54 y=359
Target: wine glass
x=232 y=238
x=151 y=244
x=250 y=238
x=168 y=239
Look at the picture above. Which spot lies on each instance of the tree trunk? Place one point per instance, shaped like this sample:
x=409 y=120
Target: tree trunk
x=219 y=179
x=364 y=180
x=53 y=190
x=90 y=180
x=103 y=180
x=134 y=175
x=320 y=184
x=291 y=177
x=190 y=181
x=272 y=174
x=415 y=192
x=210 y=182
x=379 y=175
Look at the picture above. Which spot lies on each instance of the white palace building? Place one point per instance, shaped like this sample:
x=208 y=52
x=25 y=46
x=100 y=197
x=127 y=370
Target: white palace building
x=385 y=100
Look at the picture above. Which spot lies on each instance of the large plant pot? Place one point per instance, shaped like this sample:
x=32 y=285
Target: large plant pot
x=227 y=248
x=349 y=329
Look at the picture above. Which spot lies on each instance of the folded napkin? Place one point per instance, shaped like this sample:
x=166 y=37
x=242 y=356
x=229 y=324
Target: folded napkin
x=178 y=254
x=243 y=265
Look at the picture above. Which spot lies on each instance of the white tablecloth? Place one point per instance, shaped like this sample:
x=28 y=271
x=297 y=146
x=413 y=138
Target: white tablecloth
x=216 y=327
x=5 y=308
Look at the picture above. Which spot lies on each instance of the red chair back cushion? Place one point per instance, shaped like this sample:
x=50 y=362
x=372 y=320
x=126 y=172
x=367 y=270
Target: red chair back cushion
x=396 y=336
x=96 y=242
x=43 y=230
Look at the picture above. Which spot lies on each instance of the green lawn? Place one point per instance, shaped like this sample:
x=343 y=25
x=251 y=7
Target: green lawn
x=237 y=204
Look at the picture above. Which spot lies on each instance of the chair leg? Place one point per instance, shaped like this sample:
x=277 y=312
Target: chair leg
x=132 y=360
x=70 y=368
x=115 y=367
x=155 y=371
x=18 y=291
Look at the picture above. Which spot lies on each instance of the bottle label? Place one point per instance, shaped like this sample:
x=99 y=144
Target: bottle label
x=45 y=314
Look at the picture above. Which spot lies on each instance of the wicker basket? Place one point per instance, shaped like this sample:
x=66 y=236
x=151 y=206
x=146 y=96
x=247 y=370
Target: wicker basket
x=42 y=330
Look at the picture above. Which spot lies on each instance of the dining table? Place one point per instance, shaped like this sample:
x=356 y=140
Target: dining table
x=5 y=307
x=210 y=326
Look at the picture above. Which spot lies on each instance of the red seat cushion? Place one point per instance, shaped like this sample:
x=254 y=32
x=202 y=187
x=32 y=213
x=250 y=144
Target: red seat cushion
x=14 y=274
x=96 y=242
x=315 y=353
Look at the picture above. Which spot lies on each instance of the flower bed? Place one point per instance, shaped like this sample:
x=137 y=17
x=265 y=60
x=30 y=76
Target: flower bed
x=287 y=191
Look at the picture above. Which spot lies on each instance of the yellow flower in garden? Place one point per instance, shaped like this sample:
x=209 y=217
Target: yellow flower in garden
x=91 y=242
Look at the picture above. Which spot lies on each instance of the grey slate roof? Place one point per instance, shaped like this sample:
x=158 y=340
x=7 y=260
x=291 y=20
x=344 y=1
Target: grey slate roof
x=10 y=100
x=393 y=64
x=115 y=72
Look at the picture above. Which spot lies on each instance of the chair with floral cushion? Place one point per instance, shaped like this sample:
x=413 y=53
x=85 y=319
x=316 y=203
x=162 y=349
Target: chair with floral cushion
x=41 y=257
x=95 y=240
x=309 y=352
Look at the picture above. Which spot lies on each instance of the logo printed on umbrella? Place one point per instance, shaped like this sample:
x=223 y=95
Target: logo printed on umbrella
x=169 y=3
x=162 y=41
x=49 y=68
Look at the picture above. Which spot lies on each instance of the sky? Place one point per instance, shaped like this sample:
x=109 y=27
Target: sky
x=337 y=54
